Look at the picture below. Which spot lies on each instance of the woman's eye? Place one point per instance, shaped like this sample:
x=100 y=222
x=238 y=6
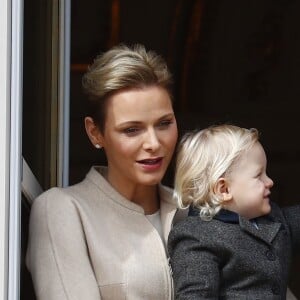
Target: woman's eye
x=131 y=130
x=165 y=123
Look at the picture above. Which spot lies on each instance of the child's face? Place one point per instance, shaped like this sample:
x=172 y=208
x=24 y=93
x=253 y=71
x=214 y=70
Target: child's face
x=249 y=184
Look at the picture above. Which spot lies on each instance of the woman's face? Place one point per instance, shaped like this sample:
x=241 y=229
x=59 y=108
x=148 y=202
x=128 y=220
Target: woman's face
x=139 y=136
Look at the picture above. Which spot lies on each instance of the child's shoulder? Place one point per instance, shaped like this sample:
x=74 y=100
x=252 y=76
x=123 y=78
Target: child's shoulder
x=194 y=230
x=192 y=225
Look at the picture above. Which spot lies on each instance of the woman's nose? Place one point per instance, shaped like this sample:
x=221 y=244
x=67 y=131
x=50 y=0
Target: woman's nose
x=151 y=141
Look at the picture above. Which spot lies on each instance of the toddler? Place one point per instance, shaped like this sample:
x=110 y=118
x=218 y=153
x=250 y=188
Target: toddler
x=235 y=243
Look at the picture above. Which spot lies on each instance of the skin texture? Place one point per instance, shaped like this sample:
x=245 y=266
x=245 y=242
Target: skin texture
x=139 y=140
x=247 y=188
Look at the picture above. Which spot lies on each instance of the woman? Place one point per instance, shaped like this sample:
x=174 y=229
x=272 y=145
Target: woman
x=105 y=237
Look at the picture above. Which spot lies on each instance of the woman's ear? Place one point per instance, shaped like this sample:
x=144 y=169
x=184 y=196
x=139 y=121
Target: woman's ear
x=221 y=189
x=93 y=132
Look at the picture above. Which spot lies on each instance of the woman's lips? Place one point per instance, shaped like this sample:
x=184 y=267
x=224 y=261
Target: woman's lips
x=151 y=163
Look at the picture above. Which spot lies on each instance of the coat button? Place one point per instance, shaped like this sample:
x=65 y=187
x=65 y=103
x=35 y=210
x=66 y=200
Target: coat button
x=270 y=255
x=276 y=289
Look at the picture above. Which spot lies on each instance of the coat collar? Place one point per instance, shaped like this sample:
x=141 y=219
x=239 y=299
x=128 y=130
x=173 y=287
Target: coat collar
x=167 y=203
x=266 y=229
x=267 y=226
x=97 y=176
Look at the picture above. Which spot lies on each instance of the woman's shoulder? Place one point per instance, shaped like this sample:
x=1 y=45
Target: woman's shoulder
x=52 y=209
x=54 y=198
x=73 y=193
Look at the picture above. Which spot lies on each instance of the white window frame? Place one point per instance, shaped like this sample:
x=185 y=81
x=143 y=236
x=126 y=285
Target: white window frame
x=10 y=145
x=64 y=91
x=5 y=46
x=12 y=166
x=15 y=160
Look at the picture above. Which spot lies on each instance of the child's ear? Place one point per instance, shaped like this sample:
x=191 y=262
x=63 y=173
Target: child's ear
x=221 y=189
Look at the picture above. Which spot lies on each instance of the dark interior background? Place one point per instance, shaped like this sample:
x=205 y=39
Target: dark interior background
x=233 y=61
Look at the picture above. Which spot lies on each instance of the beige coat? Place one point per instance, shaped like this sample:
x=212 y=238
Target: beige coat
x=87 y=242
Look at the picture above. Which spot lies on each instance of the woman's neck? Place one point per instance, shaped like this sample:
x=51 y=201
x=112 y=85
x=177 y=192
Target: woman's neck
x=146 y=196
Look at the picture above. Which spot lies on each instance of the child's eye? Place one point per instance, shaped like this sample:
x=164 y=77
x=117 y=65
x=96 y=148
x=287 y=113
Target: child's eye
x=258 y=175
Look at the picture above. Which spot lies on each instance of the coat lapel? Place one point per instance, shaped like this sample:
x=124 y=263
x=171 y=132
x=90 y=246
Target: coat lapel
x=266 y=231
x=167 y=210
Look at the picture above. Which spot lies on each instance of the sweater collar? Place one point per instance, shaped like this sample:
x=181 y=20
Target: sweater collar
x=227 y=216
x=223 y=215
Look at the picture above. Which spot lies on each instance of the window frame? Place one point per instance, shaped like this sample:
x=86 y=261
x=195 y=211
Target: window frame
x=15 y=173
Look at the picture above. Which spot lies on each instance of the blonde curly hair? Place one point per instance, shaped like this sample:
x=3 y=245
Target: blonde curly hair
x=202 y=158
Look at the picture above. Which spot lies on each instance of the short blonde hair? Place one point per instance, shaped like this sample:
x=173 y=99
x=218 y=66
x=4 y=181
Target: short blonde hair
x=202 y=158
x=123 y=67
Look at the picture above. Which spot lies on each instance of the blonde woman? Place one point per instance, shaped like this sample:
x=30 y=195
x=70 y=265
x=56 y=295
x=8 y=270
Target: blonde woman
x=235 y=243
x=105 y=237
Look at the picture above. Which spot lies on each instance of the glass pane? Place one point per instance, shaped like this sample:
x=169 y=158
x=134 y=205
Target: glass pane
x=40 y=109
x=39 y=94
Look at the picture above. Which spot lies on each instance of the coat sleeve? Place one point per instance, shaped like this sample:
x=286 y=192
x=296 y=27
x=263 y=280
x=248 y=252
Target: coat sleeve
x=57 y=255
x=194 y=265
x=292 y=217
